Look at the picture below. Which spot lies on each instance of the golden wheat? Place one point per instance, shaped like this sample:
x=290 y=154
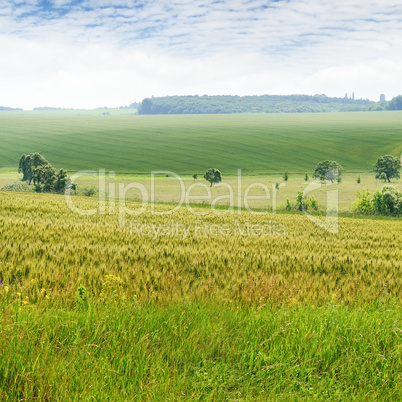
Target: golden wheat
x=47 y=252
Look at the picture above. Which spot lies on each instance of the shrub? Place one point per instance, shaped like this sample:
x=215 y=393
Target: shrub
x=20 y=187
x=87 y=191
x=364 y=203
x=382 y=176
x=387 y=201
x=300 y=201
x=303 y=203
x=313 y=203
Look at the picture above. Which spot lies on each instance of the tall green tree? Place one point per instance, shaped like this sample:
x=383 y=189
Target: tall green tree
x=61 y=181
x=28 y=163
x=387 y=167
x=213 y=176
x=328 y=170
x=44 y=177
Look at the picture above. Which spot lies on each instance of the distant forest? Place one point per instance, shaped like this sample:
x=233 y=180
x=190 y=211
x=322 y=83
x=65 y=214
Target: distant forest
x=8 y=109
x=255 y=104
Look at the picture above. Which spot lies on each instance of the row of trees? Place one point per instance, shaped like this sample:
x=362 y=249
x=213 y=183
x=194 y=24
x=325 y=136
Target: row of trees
x=386 y=168
x=261 y=104
x=248 y=104
x=35 y=168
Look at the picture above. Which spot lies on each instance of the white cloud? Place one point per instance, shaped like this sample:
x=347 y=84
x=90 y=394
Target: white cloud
x=96 y=53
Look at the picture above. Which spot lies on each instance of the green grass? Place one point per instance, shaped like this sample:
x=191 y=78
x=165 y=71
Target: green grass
x=167 y=189
x=198 y=351
x=257 y=143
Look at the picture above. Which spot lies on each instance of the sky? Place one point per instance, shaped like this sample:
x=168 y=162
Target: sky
x=95 y=53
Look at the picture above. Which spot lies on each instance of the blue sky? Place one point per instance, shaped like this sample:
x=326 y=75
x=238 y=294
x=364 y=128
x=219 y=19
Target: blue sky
x=90 y=53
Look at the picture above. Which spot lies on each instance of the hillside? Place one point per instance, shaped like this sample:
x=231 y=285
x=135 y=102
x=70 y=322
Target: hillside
x=257 y=143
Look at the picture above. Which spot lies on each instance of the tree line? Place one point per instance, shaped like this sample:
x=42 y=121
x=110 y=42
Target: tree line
x=261 y=104
x=45 y=178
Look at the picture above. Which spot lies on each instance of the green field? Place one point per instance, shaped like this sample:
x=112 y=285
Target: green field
x=198 y=304
x=257 y=143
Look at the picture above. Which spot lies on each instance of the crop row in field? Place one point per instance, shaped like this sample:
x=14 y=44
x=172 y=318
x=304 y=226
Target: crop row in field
x=256 y=143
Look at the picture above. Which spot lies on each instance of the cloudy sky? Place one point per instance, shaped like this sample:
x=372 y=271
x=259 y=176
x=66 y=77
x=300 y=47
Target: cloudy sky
x=90 y=53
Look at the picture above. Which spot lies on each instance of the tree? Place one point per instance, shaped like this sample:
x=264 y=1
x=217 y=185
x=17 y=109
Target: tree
x=358 y=179
x=328 y=170
x=213 y=176
x=396 y=103
x=44 y=176
x=61 y=181
x=306 y=177
x=195 y=176
x=387 y=166
x=285 y=176
x=28 y=163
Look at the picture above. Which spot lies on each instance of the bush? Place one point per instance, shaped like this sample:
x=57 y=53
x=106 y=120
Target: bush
x=303 y=203
x=364 y=203
x=387 y=201
x=87 y=191
x=313 y=203
x=382 y=176
x=300 y=202
x=20 y=187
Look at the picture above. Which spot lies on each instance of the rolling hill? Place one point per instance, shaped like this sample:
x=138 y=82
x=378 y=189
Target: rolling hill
x=257 y=143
